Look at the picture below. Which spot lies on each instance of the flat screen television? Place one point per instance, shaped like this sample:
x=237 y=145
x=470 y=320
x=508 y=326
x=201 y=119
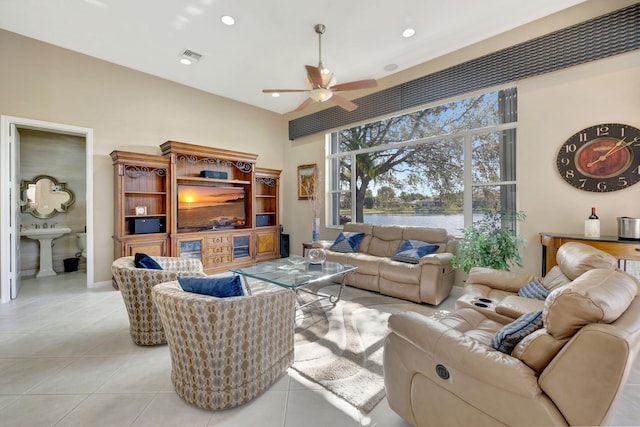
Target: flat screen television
x=205 y=206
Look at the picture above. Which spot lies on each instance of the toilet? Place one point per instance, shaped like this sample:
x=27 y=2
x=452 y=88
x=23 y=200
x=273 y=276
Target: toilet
x=81 y=242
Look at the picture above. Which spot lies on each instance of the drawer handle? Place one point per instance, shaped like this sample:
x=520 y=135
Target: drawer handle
x=637 y=249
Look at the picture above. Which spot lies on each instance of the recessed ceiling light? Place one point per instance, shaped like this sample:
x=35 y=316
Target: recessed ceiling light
x=228 y=20
x=185 y=61
x=275 y=94
x=391 y=67
x=408 y=32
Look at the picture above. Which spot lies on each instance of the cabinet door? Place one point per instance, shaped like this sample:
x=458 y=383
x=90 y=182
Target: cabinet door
x=241 y=244
x=267 y=243
x=190 y=248
x=158 y=247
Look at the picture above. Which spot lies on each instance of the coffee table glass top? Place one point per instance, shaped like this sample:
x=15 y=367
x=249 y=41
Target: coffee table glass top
x=283 y=272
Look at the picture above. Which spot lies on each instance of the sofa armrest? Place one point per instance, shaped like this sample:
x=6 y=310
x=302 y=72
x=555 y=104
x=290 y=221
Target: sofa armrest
x=499 y=279
x=462 y=355
x=437 y=259
x=323 y=244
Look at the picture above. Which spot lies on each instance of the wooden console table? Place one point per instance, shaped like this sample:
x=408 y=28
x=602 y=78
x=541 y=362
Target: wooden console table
x=621 y=249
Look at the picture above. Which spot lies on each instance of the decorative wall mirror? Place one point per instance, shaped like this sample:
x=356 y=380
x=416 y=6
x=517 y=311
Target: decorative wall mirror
x=44 y=197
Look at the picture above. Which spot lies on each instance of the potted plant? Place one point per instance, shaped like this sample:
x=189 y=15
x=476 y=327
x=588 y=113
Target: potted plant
x=491 y=242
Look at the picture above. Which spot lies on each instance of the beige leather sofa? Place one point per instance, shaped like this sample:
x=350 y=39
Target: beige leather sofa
x=442 y=371
x=428 y=281
x=495 y=292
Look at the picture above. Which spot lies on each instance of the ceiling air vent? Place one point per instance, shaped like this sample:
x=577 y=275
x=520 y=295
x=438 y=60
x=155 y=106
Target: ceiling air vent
x=189 y=55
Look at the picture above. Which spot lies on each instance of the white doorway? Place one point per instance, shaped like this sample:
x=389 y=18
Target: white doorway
x=9 y=194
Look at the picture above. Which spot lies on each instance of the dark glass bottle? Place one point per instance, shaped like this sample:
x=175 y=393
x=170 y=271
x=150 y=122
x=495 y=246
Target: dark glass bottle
x=593 y=214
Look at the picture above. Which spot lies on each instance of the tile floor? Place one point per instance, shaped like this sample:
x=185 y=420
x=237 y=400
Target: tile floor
x=66 y=359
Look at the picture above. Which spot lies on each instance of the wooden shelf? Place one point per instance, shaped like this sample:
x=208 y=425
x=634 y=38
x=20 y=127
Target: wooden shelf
x=212 y=180
x=146 y=216
x=148 y=193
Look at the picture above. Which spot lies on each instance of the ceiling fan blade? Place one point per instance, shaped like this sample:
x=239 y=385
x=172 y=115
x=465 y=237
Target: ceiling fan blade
x=314 y=75
x=304 y=105
x=283 y=90
x=343 y=102
x=360 y=84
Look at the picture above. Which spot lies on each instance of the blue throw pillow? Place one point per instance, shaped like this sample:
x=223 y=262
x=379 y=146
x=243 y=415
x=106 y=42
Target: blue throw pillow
x=506 y=339
x=145 y=261
x=412 y=250
x=221 y=287
x=534 y=290
x=347 y=242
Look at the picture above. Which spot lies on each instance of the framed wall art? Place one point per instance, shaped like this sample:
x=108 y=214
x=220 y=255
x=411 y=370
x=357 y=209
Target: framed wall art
x=307 y=180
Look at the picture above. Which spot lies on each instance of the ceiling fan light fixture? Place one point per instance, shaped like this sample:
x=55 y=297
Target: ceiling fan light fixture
x=320 y=94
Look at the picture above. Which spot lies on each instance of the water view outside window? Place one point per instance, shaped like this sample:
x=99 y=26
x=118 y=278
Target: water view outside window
x=437 y=167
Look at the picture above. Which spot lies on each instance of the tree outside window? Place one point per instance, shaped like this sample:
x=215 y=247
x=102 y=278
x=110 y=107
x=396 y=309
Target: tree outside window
x=415 y=169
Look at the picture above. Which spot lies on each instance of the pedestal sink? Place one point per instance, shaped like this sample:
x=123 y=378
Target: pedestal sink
x=45 y=236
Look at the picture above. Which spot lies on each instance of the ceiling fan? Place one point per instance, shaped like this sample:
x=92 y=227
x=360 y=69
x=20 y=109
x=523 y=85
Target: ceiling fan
x=322 y=83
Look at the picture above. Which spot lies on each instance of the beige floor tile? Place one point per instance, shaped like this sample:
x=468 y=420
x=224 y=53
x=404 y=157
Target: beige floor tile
x=319 y=408
x=82 y=375
x=39 y=411
x=26 y=373
x=626 y=411
x=168 y=410
x=149 y=374
x=111 y=410
x=265 y=411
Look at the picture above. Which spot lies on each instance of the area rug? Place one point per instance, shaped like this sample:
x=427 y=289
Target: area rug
x=340 y=346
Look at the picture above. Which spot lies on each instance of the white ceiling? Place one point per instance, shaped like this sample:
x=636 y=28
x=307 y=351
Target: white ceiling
x=271 y=40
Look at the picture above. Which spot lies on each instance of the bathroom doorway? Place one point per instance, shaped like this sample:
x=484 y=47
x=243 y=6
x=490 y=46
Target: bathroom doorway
x=51 y=140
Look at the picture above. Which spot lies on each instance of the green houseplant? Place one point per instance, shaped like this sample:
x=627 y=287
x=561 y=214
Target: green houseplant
x=491 y=242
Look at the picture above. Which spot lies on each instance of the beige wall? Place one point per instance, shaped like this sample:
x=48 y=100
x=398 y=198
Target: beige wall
x=127 y=110
x=551 y=108
x=133 y=111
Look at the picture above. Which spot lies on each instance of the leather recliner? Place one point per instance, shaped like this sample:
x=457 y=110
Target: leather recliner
x=495 y=292
x=443 y=371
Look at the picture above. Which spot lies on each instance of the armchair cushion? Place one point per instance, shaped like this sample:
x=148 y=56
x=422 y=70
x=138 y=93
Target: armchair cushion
x=412 y=250
x=533 y=290
x=221 y=287
x=597 y=296
x=508 y=337
x=347 y=242
x=145 y=261
x=577 y=258
x=513 y=306
x=538 y=349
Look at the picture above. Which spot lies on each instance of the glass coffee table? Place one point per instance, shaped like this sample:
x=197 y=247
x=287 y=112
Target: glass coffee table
x=293 y=274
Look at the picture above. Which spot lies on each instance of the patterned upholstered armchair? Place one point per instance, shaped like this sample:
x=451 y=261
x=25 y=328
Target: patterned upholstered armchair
x=226 y=351
x=135 y=286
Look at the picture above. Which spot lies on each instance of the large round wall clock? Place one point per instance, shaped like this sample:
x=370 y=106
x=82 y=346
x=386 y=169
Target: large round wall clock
x=601 y=158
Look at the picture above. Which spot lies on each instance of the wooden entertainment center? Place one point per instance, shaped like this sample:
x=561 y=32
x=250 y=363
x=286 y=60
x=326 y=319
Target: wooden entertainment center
x=146 y=216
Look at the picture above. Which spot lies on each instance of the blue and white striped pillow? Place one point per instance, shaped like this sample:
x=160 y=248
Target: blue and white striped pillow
x=534 y=290
x=506 y=339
